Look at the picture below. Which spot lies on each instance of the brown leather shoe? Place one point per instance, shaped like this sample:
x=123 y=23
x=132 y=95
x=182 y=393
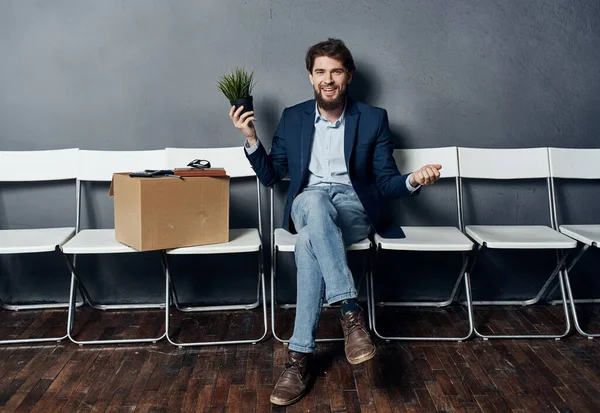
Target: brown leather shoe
x=358 y=345
x=293 y=382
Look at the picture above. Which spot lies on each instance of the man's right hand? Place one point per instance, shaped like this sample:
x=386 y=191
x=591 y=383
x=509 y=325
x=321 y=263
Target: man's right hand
x=244 y=123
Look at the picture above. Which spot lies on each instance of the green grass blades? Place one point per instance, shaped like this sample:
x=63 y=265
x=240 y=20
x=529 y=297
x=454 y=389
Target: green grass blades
x=236 y=85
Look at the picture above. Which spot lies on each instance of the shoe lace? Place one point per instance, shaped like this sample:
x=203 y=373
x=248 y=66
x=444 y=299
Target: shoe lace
x=354 y=324
x=294 y=367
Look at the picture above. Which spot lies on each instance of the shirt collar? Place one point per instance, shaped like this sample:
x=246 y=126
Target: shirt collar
x=338 y=122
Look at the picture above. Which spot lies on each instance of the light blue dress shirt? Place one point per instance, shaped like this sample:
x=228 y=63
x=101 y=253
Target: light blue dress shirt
x=327 y=164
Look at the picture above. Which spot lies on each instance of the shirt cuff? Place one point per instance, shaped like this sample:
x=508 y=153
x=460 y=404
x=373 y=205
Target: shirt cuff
x=409 y=186
x=251 y=149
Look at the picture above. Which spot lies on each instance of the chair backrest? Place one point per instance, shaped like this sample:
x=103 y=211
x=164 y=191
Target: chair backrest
x=100 y=165
x=32 y=166
x=409 y=160
x=503 y=163
x=574 y=163
x=233 y=159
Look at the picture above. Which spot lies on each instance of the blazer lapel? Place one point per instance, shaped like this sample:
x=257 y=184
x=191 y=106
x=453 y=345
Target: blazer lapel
x=306 y=138
x=352 y=116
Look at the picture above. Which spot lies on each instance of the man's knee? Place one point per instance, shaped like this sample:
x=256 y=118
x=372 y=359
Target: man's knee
x=303 y=241
x=315 y=206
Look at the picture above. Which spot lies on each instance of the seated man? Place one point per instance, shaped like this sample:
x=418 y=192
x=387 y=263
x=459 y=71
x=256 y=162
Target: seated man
x=338 y=153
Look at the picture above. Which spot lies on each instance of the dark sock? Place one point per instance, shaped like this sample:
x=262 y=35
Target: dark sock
x=349 y=305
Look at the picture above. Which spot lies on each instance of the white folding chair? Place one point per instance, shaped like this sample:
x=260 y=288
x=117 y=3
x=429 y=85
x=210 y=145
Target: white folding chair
x=26 y=167
x=99 y=166
x=284 y=241
x=244 y=240
x=576 y=164
x=511 y=164
x=428 y=238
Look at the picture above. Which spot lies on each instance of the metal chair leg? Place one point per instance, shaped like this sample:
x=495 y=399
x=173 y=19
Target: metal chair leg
x=25 y=307
x=190 y=309
x=580 y=253
x=72 y=313
x=464 y=275
x=168 y=295
x=557 y=271
x=541 y=293
x=573 y=301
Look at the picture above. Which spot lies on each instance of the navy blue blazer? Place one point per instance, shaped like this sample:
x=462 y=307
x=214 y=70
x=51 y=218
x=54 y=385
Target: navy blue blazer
x=368 y=152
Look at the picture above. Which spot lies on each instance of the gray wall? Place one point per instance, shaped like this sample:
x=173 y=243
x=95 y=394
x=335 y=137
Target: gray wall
x=141 y=75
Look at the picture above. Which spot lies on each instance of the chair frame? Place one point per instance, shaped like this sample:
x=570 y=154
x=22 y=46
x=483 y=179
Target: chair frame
x=583 y=247
x=77 y=284
x=46 y=162
x=366 y=267
x=171 y=292
x=463 y=276
x=556 y=273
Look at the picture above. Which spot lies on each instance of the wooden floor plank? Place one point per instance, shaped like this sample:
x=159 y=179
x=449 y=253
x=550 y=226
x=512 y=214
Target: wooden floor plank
x=472 y=376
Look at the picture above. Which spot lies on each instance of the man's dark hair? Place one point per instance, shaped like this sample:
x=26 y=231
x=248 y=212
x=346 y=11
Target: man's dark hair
x=334 y=48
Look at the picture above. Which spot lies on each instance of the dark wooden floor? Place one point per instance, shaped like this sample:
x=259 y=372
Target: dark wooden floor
x=473 y=376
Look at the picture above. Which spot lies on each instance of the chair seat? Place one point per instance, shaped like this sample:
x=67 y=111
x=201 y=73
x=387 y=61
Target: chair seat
x=20 y=241
x=95 y=241
x=427 y=239
x=588 y=234
x=240 y=240
x=286 y=242
x=519 y=237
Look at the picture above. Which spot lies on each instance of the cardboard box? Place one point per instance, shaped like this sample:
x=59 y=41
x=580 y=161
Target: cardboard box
x=166 y=212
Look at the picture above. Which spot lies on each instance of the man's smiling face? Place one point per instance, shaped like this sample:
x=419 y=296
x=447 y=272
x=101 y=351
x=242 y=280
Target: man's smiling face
x=330 y=79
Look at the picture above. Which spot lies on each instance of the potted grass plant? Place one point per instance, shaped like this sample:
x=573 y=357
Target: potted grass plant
x=237 y=87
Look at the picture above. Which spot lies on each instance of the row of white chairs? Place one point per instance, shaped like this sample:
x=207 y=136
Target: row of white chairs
x=458 y=164
x=469 y=240
x=82 y=166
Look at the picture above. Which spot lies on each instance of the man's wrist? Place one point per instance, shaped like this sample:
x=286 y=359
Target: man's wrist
x=412 y=187
x=251 y=148
x=252 y=141
x=412 y=181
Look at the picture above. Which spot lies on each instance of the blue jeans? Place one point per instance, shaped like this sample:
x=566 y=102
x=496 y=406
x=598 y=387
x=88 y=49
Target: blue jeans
x=328 y=218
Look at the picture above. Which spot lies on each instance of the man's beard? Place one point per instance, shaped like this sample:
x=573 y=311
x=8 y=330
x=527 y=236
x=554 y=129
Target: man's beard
x=334 y=104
